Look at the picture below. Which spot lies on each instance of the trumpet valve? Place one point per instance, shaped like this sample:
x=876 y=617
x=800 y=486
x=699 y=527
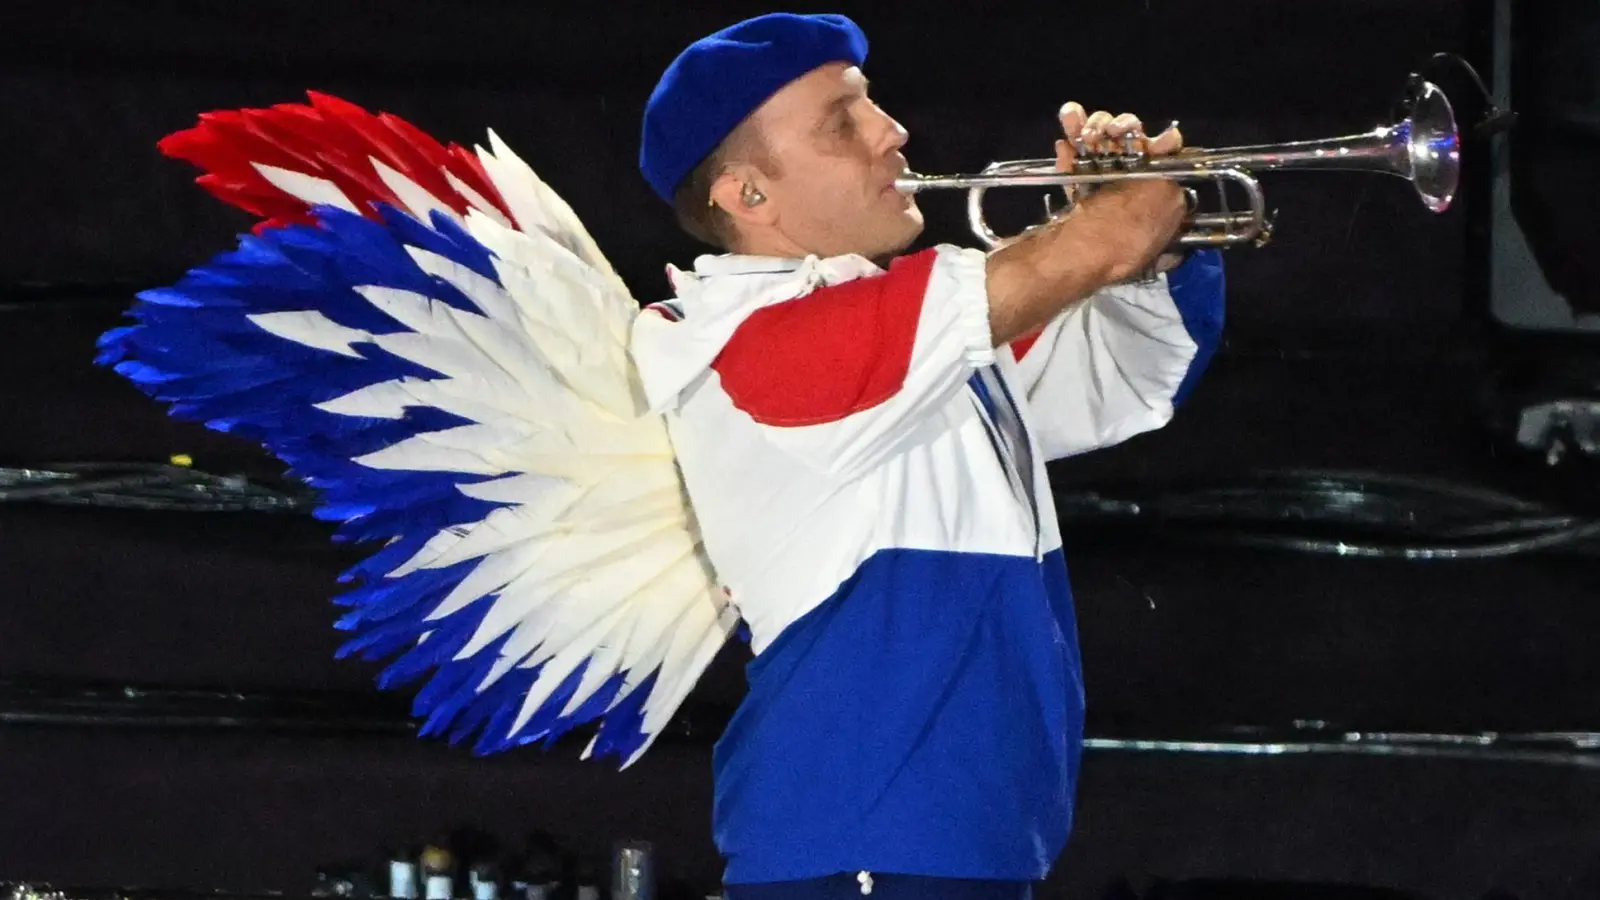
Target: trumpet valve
x=1264 y=236
x=1130 y=149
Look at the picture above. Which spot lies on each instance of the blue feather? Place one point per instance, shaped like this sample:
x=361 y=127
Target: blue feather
x=395 y=601
x=447 y=636
x=497 y=703
x=441 y=236
x=599 y=701
x=454 y=686
x=384 y=561
x=622 y=730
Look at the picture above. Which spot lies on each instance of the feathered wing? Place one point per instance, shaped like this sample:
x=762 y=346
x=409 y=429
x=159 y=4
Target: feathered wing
x=432 y=339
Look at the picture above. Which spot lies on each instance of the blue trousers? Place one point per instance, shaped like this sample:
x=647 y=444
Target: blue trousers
x=884 y=887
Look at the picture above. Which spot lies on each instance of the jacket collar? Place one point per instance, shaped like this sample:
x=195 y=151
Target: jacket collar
x=830 y=270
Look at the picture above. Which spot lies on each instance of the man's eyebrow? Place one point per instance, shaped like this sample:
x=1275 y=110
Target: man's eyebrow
x=845 y=99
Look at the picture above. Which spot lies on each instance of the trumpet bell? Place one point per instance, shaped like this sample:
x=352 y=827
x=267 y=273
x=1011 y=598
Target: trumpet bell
x=1433 y=146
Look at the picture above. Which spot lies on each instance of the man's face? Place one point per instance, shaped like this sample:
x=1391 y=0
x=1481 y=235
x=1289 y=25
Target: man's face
x=836 y=156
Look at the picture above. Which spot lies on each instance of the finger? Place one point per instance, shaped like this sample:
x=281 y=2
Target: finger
x=1125 y=134
x=1167 y=142
x=1065 y=156
x=1072 y=118
x=1125 y=124
x=1094 y=128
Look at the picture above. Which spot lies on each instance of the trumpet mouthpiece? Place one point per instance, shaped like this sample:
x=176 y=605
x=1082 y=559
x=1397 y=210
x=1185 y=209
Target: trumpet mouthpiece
x=909 y=183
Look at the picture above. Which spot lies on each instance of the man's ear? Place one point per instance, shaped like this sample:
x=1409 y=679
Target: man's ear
x=741 y=192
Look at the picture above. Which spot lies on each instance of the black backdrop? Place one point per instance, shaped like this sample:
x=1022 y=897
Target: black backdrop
x=1354 y=342
x=90 y=92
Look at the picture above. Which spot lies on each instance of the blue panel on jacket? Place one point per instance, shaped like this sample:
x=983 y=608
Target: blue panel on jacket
x=927 y=719
x=1199 y=289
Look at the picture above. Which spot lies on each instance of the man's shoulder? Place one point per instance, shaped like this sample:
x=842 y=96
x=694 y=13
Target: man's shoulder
x=835 y=350
x=792 y=341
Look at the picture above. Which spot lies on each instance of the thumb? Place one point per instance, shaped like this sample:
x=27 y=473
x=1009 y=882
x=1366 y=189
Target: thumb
x=1066 y=157
x=1167 y=142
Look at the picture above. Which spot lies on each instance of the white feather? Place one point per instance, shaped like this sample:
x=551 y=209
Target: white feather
x=479 y=204
x=556 y=669
x=664 y=702
x=490 y=297
x=308 y=189
x=413 y=196
x=312 y=329
x=516 y=488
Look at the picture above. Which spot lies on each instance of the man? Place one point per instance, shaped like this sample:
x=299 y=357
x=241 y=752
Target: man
x=863 y=435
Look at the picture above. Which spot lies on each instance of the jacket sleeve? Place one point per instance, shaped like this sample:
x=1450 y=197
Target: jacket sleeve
x=850 y=374
x=1120 y=363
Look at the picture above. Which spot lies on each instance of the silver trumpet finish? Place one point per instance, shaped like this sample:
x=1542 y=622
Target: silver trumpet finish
x=1423 y=148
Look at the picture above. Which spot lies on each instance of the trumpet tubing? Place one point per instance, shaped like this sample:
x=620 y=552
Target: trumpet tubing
x=1423 y=148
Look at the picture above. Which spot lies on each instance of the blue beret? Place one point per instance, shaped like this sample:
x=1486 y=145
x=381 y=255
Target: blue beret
x=720 y=79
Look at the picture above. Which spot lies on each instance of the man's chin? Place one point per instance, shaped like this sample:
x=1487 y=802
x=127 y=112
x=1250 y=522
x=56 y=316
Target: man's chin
x=897 y=247
x=913 y=230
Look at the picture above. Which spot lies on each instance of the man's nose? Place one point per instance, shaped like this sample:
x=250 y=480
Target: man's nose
x=891 y=134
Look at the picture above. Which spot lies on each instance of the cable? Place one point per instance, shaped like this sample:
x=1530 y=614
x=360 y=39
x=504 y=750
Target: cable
x=1349 y=514
x=171 y=487
x=1495 y=119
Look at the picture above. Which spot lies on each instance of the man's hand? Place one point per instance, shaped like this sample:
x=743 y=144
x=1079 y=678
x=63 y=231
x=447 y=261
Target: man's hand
x=1104 y=133
x=1115 y=233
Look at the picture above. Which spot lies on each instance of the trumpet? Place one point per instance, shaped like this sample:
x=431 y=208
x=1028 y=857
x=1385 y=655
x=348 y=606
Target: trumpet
x=1423 y=147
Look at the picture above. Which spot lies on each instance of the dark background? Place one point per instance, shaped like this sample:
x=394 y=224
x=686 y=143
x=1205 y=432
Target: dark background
x=1357 y=340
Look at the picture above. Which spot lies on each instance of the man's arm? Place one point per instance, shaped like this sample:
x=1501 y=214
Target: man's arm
x=1120 y=363
x=1112 y=235
x=1102 y=357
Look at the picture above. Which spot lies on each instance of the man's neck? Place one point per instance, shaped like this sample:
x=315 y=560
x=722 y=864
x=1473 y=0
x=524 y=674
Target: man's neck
x=775 y=246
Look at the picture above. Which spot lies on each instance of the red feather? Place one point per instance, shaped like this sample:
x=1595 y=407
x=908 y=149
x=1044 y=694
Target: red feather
x=331 y=139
